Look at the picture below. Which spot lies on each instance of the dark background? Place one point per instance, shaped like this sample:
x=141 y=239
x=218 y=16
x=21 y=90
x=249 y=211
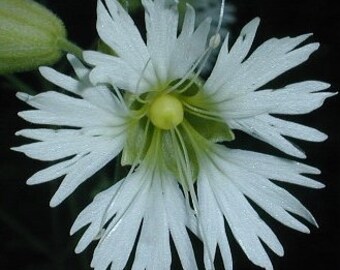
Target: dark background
x=35 y=237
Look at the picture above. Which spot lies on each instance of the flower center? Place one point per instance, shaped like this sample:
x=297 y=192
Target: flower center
x=166 y=112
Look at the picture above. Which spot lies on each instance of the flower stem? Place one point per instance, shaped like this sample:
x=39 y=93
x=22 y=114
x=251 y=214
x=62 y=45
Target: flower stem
x=70 y=47
x=19 y=85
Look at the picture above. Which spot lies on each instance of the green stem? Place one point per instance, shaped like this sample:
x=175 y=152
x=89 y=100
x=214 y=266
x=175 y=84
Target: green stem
x=19 y=84
x=36 y=243
x=70 y=47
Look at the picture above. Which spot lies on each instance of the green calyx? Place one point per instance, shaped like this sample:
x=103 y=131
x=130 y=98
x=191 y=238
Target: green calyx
x=30 y=36
x=186 y=123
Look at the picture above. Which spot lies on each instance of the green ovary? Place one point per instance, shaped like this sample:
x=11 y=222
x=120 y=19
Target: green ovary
x=166 y=112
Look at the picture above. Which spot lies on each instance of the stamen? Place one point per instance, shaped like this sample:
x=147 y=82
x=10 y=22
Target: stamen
x=141 y=77
x=222 y=9
x=203 y=114
x=215 y=41
x=190 y=180
x=152 y=157
x=140 y=100
x=202 y=60
x=132 y=169
x=189 y=73
x=120 y=98
x=194 y=198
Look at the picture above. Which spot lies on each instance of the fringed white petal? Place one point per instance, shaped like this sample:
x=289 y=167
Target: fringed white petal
x=228 y=62
x=161 y=25
x=64 y=81
x=53 y=172
x=271 y=130
x=166 y=57
x=274 y=168
x=86 y=167
x=116 y=28
x=298 y=98
x=272 y=198
x=236 y=73
x=100 y=138
x=244 y=222
x=178 y=219
x=255 y=119
x=63 y=147
x=106 y=205
x=212 y=222
x=103 y=98
x=150 y=200
x=100 y=96
x=127 y=206
x=229 y=177
x=190 y=45
x=153 y=248
x=59 y=109
x=94 y=214
x=166 y=214
x=78 y=67
x=91 y=154
x=117 y=72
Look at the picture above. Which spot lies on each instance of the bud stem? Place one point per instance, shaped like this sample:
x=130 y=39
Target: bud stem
x=18 y=84
x=70 y=47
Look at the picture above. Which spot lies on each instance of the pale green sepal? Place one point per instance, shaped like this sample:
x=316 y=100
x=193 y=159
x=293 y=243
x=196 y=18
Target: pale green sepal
x=30 y=36
x=137 y=143
x=171 y=156
x=211 y=130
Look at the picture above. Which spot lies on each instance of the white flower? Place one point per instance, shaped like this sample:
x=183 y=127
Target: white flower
x=149 y=102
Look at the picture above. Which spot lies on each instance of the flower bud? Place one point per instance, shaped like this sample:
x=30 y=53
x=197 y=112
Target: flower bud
x=30 y=36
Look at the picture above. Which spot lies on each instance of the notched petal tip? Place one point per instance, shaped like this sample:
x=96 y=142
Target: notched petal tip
x=299 y=154
x=35 y=180
x=30 y=182
x=70 y=57
x=316 y=45
x=319 y=185
x=79 y=249
x=55 y=201
x=23 y=96
x=19 y=133
x=87 y=55
x=323 y=137
x=45 y=71
x=75 y=228
x=251 y=26
x=306 y=230
x=280 y=251
x=21 y=114
x=332 y=94
x=16 y=149
x=256 y=20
